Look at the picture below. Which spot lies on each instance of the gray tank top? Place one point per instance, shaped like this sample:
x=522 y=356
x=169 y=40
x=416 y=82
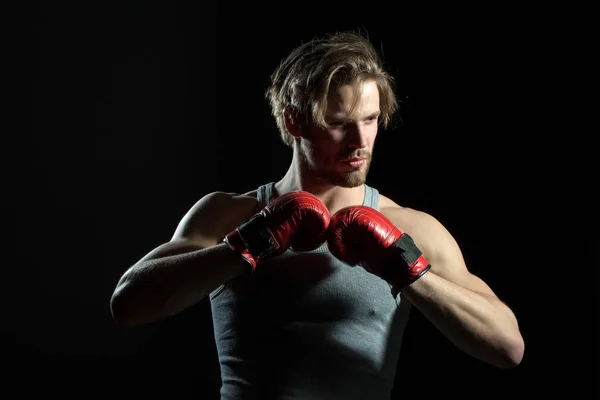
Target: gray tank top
x=305 y=325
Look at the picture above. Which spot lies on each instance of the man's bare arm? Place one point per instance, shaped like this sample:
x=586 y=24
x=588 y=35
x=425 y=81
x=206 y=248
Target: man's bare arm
x=183 y=271
x=461 y=305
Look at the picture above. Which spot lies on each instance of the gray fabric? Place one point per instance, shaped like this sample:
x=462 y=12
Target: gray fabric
x=307 y=326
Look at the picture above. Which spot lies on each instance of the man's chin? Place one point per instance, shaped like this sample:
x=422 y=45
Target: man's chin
x=349 y=179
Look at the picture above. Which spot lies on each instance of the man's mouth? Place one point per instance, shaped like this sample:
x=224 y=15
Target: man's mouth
x=355 y=162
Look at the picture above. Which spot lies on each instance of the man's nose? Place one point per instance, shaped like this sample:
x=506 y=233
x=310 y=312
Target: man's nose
x=357 y=136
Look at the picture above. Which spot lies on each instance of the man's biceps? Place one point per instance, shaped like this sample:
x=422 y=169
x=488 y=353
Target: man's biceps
x=455 y=270
x=194 y=241
x=174 y=247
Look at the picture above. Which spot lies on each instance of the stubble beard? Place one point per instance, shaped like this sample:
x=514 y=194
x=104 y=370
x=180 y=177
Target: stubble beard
x=348 y=179
x=351 y=179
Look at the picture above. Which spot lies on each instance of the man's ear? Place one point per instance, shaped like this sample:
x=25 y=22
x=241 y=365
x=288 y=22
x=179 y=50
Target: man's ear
x=292 y=122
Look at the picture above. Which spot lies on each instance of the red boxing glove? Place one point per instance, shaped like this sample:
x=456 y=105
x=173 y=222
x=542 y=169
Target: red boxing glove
x=296 y=219
x=361 y=235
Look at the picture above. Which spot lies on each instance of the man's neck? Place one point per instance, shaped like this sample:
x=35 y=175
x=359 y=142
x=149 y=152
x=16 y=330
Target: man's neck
x=334 y=197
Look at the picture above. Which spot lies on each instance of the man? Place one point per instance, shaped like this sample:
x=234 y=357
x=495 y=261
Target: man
x=311 y=278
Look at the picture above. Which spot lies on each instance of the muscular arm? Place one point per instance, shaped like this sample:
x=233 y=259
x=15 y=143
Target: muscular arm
x=461 y=305
x=183 y=271
x=163 y=285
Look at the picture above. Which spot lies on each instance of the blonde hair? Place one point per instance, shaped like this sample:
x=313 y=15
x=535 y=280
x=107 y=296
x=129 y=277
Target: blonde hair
x=303 y=80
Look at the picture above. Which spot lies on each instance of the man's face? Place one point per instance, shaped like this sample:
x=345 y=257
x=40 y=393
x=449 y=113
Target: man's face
x=341 y=155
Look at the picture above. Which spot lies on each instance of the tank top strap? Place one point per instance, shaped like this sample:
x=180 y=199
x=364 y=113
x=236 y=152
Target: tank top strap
x=371 y=197
x=264 y=194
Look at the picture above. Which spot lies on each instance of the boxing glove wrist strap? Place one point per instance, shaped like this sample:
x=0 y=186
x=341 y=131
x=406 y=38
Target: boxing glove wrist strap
x=406 y=266
x=252 y=240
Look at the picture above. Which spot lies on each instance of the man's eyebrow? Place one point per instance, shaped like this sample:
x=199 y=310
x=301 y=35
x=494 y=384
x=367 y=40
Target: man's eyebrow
x=342 y=116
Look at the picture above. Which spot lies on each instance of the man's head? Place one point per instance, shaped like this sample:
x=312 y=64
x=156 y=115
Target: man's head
x=328 y=97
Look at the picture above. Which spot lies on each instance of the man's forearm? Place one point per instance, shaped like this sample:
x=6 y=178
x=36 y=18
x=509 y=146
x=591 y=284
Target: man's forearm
x=479 y=325
x=156 y=288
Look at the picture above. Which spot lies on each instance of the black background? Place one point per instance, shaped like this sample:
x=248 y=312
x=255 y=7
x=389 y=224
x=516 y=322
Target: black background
x=140 y=108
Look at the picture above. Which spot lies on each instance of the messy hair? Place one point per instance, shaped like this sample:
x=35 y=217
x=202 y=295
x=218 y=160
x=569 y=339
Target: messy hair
x=302 y=81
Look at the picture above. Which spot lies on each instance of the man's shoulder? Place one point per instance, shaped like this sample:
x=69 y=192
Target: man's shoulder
x=426 y=230
x=216 y=213
x=389 y=206
x=222 y=195
x=226 y=201
x=407 y=219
